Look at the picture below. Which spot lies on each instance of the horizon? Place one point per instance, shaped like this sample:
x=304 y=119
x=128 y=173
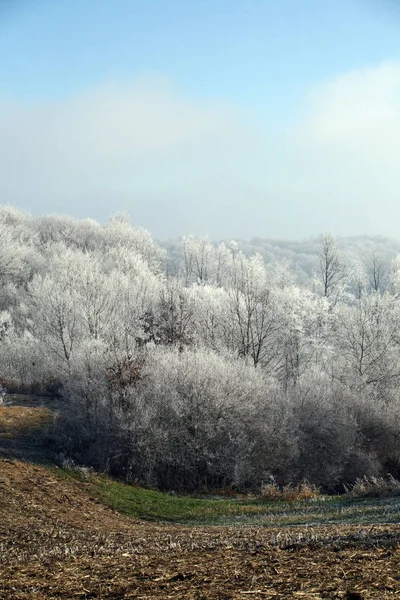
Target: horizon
x=233 y=119
x=375 y=238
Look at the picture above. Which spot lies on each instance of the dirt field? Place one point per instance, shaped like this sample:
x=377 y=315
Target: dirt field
x=57 y=541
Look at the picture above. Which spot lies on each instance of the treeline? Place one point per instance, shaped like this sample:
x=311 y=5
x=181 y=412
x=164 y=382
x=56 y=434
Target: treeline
x=209 y=368
x=303 y=256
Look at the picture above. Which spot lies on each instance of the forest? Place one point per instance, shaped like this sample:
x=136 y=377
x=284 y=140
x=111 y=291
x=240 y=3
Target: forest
x=194 y=365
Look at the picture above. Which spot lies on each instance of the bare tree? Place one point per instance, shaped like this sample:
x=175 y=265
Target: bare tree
x=332 y=269
x=376 y=270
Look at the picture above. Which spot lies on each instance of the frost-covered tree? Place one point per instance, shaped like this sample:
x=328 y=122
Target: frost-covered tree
x=210 y=315
x=253 y=314
x=368 y=343
x=376 y=271
x=171 y=321
x=56 y=323
x=119 y=233
x=332 y=272
x=220 y=366
x=198 y=259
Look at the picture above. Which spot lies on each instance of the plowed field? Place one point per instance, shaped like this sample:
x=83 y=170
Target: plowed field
x=58 y=541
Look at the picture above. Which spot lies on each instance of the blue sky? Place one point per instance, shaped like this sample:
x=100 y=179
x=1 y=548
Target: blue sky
x=209 y=107
x=259 y=53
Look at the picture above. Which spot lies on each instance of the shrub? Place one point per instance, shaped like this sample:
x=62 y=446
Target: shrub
x=375 y=487
x=290 y=493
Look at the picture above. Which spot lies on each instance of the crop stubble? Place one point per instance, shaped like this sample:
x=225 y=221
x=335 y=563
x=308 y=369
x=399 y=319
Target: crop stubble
x=56 y=541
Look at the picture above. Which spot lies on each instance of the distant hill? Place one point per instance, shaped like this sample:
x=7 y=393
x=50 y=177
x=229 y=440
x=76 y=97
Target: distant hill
x=302 y=255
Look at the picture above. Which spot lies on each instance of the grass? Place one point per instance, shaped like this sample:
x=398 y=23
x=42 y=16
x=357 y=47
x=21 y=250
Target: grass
x=151 y=505
x=374 y=487
x=16 y=420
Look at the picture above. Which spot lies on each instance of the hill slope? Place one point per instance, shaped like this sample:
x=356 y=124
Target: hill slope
x=58 y=541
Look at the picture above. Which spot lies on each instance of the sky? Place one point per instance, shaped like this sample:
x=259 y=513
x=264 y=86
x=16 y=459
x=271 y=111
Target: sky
x=226 y=118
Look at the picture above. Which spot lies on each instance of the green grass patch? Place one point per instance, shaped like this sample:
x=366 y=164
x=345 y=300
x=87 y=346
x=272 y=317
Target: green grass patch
x=151 y=505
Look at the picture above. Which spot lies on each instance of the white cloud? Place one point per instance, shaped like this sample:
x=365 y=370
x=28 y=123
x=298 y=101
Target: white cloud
x=182 y=165
x=121 y=143
x=108 y=126
x=359 y=106
x=346 y=152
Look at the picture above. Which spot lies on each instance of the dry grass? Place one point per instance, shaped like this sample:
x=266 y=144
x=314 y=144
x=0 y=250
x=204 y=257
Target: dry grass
x=21 y=431
x=374 y=487
x=20 y=419
x=290 y=493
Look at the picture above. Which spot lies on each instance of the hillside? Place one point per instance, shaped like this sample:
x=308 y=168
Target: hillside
x=209 y=366
x=57 y=540
x=303 y=255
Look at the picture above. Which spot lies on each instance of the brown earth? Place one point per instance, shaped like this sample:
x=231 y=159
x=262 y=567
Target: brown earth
x=56 y=541
x=23 y=421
